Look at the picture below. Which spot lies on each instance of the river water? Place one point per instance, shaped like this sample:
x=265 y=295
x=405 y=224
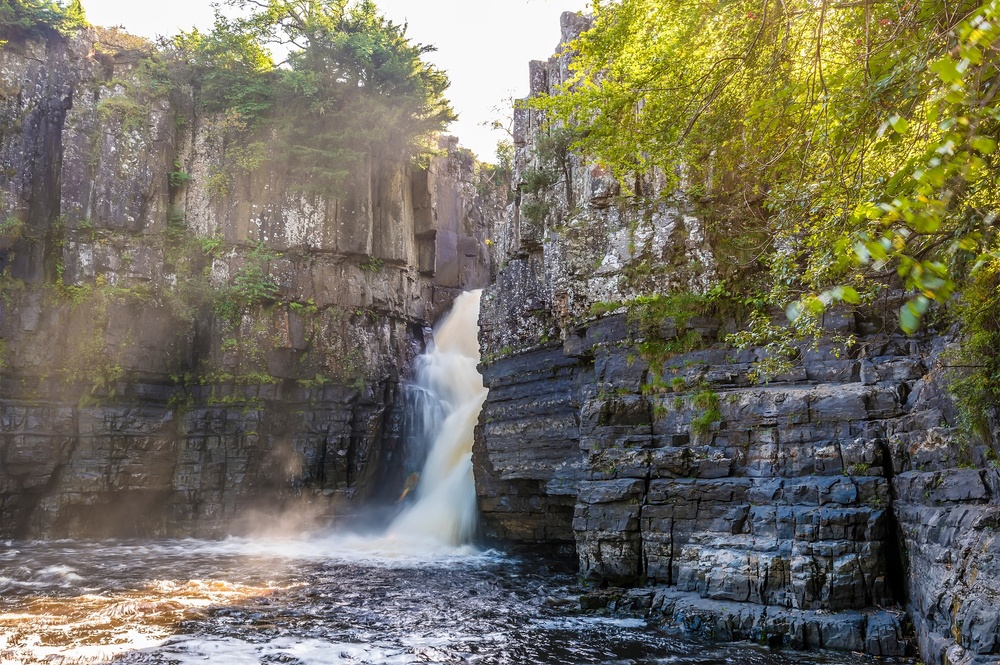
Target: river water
x=412 y=593
x=321 y=600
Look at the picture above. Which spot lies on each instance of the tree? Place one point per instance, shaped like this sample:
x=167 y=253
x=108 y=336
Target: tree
x=230 y=69
x=353 y=86
x=351 y=89
x=820 y=114
x=21 y=19
x=856 y=139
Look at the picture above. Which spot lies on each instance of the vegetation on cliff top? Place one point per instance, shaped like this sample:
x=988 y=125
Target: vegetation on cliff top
x=352 y=88
x=854 y=142
x=20 y=19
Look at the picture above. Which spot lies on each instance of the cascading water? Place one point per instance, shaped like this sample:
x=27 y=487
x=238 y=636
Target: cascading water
x=406 y=596
x=444 y=510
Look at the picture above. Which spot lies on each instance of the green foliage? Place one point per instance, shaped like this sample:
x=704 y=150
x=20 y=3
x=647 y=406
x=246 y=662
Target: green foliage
x=372 y=264
x=707 y=403
x=976 y=377
x=131 y=114
x=653 y=312
x=856 y=142
x=660 y=409
x=806 y=107
x=308 y=307
x=231 y=69
x=552 y=167
x=250 y=286
x=656 y=350
x=935 y=220
x=210 y=245
x=11 y=228
x=22 y=19
x=602 y=308
x=74 y=294
x=354 y=88
x=535 y=211
x=352 y=92
x=179 y=177
x=538 y=180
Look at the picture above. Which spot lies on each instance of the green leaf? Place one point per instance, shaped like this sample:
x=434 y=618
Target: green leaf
x=946 y=69
x=909 y=320
x=899 y=124
x=984 y=144
x=861 y=251
x=794 y=311
x=876 y=250
x=849 y=295
x=814 y=306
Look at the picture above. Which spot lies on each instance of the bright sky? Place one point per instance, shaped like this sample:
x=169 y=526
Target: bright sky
x=484 y=45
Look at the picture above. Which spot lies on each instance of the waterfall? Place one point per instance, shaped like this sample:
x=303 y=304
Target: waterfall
x=444 y=506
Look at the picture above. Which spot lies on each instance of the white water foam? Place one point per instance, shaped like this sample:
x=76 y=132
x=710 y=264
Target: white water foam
x=445 y=510
x=435 y=531
x=233 y=651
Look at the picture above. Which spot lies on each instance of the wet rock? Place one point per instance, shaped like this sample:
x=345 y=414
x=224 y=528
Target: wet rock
x=799 y=629
x=807 y=512
x=130 y=405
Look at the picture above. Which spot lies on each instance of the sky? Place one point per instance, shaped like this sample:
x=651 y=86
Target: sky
x=484 y=45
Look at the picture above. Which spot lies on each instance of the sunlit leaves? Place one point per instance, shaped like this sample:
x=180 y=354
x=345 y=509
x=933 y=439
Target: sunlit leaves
x=899 y=124
x=863 y=145
x=949 y=70
x=984 y=144
x=352 y=88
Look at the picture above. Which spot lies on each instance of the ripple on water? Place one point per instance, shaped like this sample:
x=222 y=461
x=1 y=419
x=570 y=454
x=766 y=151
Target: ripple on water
x=191 y=650
x=317 y=601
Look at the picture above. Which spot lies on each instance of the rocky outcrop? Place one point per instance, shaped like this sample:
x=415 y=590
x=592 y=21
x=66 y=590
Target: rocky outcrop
x=816 y=510
x=186 y=332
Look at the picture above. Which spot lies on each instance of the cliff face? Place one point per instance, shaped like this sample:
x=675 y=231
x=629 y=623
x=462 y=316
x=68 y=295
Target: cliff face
x=811 y=510
x=185 y=332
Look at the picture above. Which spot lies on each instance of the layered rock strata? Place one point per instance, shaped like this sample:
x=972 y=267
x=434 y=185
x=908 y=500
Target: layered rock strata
x=186 y=332
x=816 y=510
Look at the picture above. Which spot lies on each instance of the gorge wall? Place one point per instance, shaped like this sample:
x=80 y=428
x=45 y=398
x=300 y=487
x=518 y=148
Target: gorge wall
x=185 y=331
x=837 y=506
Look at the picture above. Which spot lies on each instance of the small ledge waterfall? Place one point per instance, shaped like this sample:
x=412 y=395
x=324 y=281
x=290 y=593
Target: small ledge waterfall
x=444 y=510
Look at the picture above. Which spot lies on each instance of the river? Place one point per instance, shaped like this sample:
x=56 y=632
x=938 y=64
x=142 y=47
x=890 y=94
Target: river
x=414 y=591
x=321 y=600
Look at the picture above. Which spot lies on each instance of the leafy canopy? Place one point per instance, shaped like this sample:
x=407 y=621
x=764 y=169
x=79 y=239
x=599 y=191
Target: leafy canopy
x=351 y=88
x=21 y=19
x=858 y=136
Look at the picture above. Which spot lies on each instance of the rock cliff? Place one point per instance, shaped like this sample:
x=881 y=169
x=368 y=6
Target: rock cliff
x=185 y=331
x=838 y=505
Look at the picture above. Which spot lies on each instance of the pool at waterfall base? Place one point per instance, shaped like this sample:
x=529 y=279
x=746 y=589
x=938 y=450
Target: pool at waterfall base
x=321 y=600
